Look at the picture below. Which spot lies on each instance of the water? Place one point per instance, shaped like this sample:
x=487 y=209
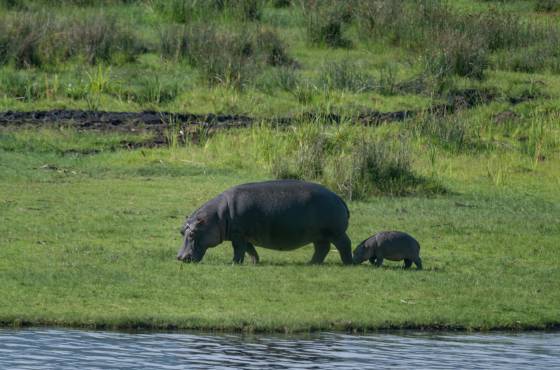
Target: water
x=72 y=349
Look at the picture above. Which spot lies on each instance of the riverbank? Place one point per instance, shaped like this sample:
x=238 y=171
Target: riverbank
x=89 y=234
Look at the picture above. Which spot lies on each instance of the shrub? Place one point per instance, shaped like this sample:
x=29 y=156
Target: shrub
x=345 y=75
x=325 y=24
x=37 y=39
x=467 y=38
x=304 y=92
x=229 y=58
x=273 y=49
x=224 y=58
x=20 y=86
x=189 y=11
x=449 y=132
x=20 y=40
x=457 y=54
x=281 y=3
x=174 y=42
x=283 y=78
x=100 y=37
x=152 y=90
x=354 y=164
x=547 y=5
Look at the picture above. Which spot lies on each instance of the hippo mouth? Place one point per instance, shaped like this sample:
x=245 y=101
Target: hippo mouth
x=188 y=258
x=185 y=259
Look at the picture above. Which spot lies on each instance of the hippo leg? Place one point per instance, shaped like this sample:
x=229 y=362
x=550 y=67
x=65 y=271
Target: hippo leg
x=372 y=260
x=321 y=251
x=407 y=263
x=239 y=249
x=379 y=261
x=251 y=251
x=418 y=263
x=344 y=246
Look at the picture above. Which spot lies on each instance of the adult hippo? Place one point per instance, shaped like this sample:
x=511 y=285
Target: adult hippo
x=281 y=215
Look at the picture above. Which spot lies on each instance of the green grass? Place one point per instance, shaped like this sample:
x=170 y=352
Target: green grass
x=158 y=57
x=89 y=230
x=89 y=234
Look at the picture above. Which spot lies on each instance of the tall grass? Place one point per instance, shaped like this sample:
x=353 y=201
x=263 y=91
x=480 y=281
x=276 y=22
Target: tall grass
x=227 y=57
x=189 y=11
x=326 y=22
x=36 y=39
x=463 y=40
x=355 y=163
x=345 y=75
x=547 y=5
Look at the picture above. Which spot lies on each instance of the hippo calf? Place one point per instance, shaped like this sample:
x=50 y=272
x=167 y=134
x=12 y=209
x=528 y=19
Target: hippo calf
x=391 y=245
x=281 y=215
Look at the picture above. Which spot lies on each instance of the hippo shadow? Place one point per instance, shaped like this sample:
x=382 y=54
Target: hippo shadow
x=399 y=267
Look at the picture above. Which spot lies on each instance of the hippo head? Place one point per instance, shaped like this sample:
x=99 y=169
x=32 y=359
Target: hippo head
x=199 y=234
x=361 y=253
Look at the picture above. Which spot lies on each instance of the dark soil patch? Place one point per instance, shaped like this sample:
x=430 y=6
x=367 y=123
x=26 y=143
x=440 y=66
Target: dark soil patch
x=163 y=125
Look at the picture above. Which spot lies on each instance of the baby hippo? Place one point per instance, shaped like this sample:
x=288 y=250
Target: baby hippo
x=392 y=245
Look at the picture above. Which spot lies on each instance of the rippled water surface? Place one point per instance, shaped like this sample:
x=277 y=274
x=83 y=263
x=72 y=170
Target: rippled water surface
x=71 y=349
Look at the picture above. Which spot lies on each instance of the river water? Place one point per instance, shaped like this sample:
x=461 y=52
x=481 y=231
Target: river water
x=77 y=349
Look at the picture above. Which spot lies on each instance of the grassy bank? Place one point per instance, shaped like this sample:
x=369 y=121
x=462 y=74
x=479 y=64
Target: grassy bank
x=272 y=58
x=89 y=220
x=89 y=232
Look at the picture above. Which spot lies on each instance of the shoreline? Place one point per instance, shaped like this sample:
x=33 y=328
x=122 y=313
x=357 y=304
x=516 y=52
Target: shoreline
x=339 y=329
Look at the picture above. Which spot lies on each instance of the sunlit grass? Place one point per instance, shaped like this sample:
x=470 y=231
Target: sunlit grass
x=89 y=233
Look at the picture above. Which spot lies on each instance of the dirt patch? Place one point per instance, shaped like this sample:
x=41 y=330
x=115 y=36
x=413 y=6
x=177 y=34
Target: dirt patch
x=163 y=125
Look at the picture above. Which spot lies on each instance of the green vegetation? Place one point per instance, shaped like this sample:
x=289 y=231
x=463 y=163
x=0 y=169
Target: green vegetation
x=89 y=233
x=89 y=221
x=269 y=58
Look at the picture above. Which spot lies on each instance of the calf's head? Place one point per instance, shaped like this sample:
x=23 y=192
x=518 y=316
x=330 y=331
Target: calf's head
x=199 y=234
x=361 y=253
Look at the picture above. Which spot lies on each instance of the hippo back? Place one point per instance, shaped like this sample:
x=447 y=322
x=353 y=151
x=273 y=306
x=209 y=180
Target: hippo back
x=285 y=214
x=397 y=245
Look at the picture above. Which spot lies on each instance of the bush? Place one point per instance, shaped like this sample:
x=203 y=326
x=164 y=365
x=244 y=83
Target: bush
x=281 y=3
x=354 y=164
x=37 y=39
x=283 y=78
x=325 y=24
x=174 y=42
x=100 y=38
x=449 y=132
x=190 y=11
x=152 y=90
x=467 y=38
x=21 y=40
x=457 y=54
x=20 y=85
x=230 y=58
x=273 y=49
x=374 y=167
x=547 y=5
x=345 y=75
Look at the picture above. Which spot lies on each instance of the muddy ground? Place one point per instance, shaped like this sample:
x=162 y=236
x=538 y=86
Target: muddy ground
x=164 y=124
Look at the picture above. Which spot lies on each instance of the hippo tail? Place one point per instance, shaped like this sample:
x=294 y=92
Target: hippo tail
x=345 y=206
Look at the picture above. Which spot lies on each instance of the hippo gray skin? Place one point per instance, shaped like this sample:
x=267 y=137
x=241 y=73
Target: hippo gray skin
x=391 y=245
x=281 y=215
